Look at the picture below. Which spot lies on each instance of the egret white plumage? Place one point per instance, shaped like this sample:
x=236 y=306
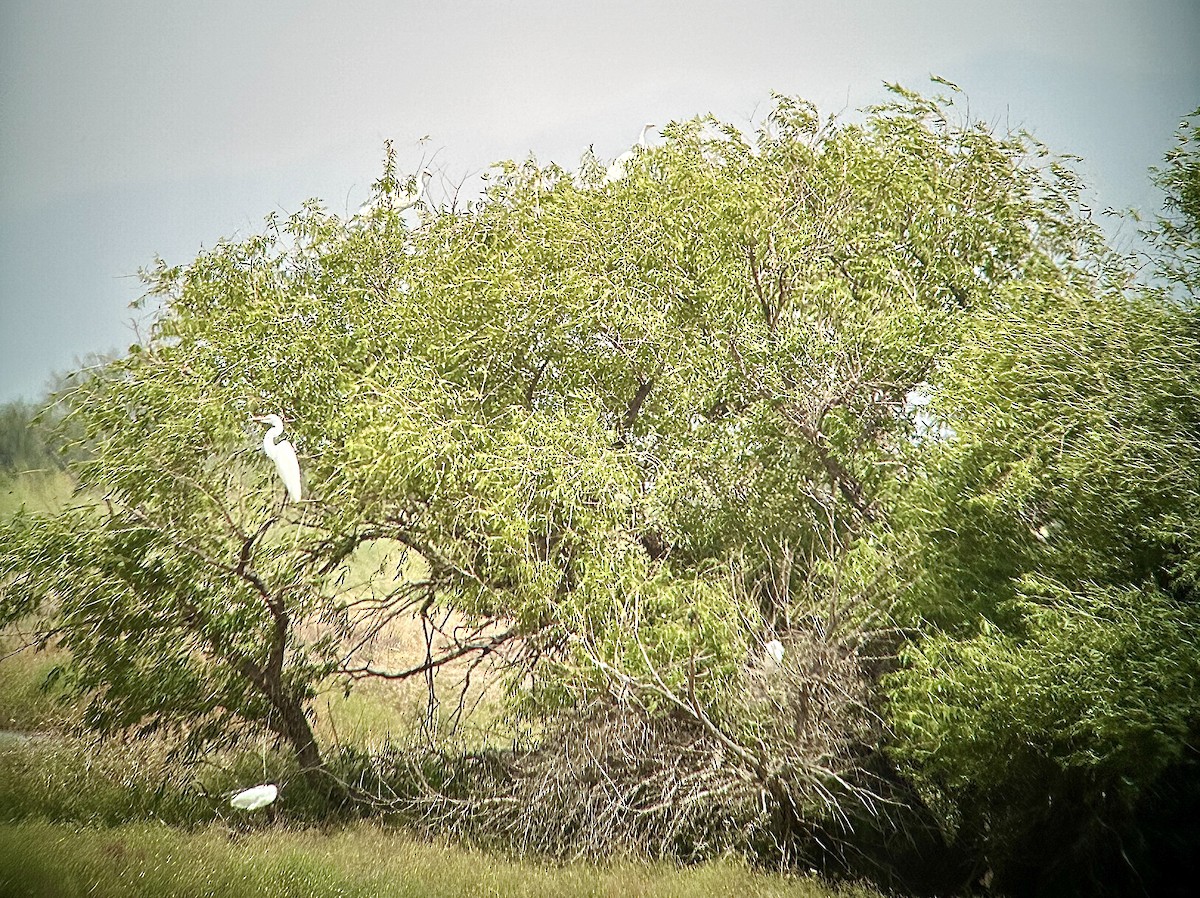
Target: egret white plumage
x=418 y=194
x=254 y=798
x=774 y=650
x=282 y=454
x=407 y=200
x=616 y=171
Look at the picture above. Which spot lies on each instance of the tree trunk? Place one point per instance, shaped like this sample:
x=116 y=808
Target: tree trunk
x=293 y=726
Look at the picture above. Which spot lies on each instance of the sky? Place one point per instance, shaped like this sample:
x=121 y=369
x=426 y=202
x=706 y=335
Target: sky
x=151 y=128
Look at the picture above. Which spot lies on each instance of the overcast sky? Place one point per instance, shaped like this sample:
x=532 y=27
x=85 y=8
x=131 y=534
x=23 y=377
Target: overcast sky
x=134 y=129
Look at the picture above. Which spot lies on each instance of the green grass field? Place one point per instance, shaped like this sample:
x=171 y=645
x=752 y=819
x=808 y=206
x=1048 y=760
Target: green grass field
x=25 y=704
x=45 y=860
x=35 y=491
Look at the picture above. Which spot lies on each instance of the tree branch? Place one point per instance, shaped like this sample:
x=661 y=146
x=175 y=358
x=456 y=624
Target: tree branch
x=634 y=409
x=484 y=647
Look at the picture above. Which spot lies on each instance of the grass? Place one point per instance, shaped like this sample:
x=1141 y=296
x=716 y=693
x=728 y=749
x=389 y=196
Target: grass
x=107 y=819
x=371 y=713
x=59 y=777
x=148 y=859
x=25 y=702
x=378 y=711
x=35 y=491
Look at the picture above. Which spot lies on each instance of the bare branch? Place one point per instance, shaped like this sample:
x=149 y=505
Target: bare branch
x=484 y=647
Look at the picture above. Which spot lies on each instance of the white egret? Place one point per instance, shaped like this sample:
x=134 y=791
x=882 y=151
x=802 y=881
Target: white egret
x=405 y=201
x=616 y=171
x=775 y=652
x=255 y=798
x=418 y=194
x=282 y=454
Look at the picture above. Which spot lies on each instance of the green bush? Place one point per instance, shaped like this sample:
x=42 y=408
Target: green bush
x=1045 y=698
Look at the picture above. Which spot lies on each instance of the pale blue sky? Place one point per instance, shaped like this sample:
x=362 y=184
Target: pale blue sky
x=130 y=129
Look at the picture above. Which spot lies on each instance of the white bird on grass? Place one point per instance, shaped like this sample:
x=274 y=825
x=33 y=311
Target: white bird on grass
x=255 y=798
x=282 y=454
x=616 y=171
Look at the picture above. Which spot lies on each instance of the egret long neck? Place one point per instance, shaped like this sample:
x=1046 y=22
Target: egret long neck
x=272 y=435
x=419 y=193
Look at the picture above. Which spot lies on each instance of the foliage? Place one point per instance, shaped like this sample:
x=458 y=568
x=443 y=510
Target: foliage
x=22 y=442
x=1177 y=235
x=1048 y=690
x=876 y=390
x=31 y=474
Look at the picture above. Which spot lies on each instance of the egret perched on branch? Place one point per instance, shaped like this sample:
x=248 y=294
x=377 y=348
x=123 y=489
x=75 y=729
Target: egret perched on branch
x=255 y=798
x=616 y=171
x=282 y=454
x=411 y=199
x=406 y=200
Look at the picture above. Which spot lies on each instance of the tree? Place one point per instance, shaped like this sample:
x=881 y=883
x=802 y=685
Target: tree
x=21 y=444
x=1177 y=236
x=628 y=433
x=1047 y=701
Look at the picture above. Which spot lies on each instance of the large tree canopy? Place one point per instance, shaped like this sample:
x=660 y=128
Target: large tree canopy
x=876 y=390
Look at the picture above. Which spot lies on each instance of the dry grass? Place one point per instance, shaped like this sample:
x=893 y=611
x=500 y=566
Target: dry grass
x=459 y=698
